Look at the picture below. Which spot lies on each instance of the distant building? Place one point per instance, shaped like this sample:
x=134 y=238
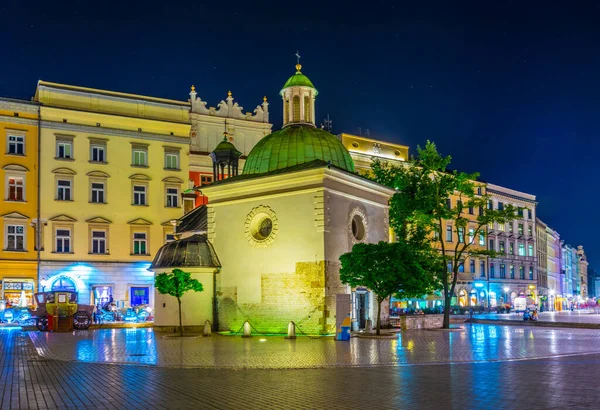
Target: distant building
x=513 y=274
x=554 y=270
x=363 y=150
x=583 y=272
x=541 y=248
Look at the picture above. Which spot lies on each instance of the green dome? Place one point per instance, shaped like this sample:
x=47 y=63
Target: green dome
x=294 y=145
x=298 y=80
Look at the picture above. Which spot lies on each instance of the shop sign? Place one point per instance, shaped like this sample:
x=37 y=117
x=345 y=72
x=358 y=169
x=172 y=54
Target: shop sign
x=18 y=286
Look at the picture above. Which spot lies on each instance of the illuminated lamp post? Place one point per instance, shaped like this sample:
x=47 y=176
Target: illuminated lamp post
x=551 y=293
x=506 y=289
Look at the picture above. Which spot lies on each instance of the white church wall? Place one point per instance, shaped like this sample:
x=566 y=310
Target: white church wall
x=196 y=307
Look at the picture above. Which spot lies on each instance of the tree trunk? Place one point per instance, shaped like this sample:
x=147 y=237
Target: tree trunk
x=379 y=301
x=447 y=302
x=180 y=323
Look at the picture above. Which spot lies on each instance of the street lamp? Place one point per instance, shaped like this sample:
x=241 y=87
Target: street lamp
x=551 y=293
x=506 y=289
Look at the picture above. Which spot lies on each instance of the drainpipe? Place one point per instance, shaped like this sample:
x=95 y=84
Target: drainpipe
x=38 y=225
x=215 y=315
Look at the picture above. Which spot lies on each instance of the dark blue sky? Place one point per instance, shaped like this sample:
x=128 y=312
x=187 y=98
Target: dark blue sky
x=509 y=89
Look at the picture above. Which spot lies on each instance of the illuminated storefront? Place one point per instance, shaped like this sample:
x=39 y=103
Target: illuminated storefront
x=18 y=292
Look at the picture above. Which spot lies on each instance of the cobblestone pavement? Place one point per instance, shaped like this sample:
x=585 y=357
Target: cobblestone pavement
x=476 y=343
x=582 y=316
x=28 y=381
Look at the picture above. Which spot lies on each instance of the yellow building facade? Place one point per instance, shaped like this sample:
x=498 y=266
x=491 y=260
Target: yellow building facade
x=363 y=150
x=18 y=255
x=113 y=170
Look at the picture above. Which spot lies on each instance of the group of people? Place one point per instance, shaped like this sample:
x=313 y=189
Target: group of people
x=529 y=315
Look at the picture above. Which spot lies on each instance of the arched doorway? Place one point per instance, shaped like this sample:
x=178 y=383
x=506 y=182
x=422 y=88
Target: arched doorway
x=462 y=297
x=63 y=283
x=473 y=298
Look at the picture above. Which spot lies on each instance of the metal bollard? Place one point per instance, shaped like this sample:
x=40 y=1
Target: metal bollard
x=247 y=329
x=207 y=329
x=291 y=334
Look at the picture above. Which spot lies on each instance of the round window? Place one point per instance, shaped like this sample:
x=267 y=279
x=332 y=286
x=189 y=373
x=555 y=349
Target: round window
x=397 y=153
x=358 y=228
x=262 y=227
x=355 y=144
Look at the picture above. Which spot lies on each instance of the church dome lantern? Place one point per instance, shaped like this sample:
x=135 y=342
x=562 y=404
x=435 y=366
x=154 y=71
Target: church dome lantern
x=298 y=94
x=299 y=141
x=225 y=159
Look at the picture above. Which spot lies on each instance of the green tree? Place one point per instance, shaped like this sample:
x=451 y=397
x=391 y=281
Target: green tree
x=387 y=269
x=424 y=187
x=176 y=284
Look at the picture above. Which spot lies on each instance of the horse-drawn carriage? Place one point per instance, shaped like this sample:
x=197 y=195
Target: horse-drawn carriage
x=59 y=311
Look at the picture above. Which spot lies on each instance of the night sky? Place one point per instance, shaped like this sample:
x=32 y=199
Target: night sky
x=509 y=89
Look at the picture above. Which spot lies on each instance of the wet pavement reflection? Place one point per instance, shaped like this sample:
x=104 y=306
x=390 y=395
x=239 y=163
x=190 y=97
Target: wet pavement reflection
x=475 y=343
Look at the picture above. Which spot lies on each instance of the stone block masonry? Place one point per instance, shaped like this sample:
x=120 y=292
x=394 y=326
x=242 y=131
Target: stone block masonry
x=297 y=296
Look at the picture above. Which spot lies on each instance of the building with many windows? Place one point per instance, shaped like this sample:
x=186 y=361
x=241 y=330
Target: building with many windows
x=541 y=249
x=554 y=267
x=513 y=273
x=113 y=170
x=18 y=209
x=583 y=272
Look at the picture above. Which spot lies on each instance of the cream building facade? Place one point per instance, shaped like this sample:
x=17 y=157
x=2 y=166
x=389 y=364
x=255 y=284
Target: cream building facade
x=113 y=170
x=208 y=124
x=513 y=273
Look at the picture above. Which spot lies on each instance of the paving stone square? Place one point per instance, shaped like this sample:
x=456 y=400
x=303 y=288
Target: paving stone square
x=29 y=380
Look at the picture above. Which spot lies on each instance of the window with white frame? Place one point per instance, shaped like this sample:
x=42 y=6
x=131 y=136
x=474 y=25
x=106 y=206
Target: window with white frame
x=63 y=190
x=471 y=235
x=64 y=149
x=139 y=156
x=529 y=250
x=98 y=241
x=16 y=189
x=172 y=197
x=139 y=195
x=140 y=243
x=169 y=237
x=171 y=160
x=15 y=237
x=98 y=196
x=16 y=145
x=98 y=153
x=521 y=249
x=481 y=239
x=63 y=240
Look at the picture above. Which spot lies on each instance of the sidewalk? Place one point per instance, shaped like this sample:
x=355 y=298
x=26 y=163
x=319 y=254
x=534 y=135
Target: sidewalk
x=585 y=319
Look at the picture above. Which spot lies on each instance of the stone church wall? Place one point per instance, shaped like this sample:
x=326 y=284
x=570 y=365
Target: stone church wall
x=293 y=296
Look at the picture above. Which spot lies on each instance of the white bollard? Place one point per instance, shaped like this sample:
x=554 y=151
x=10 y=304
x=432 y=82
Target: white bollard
x=207 y=329
x=369 y=326
x=247 y=329
x=291 y=334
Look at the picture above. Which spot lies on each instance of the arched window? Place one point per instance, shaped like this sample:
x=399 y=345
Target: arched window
x=286 y=111
x=307 y=109
x=296 y=107
x=64 y=284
